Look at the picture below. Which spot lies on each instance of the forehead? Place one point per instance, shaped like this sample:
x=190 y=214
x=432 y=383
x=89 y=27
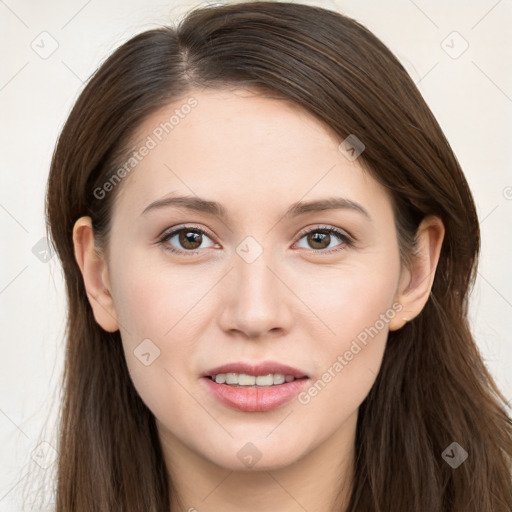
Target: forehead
x=241 y=147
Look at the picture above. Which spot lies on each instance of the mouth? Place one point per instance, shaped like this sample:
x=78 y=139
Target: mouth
x=254 y=388
x=243 y=380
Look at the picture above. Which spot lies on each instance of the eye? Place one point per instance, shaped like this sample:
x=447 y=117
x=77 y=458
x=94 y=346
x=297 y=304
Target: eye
x=188 y=237
x=320 y=238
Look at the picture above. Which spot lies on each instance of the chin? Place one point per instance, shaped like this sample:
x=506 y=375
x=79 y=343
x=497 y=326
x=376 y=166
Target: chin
x=254 y=456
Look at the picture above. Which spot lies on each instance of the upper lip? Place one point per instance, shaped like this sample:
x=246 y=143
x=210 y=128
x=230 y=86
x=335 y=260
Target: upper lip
x=263 y=368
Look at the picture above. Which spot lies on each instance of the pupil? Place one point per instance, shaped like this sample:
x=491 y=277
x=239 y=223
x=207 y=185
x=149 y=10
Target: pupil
x=185 y=239
x=322 y=237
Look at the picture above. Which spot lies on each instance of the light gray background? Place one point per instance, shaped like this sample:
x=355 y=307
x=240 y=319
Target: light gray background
x=470 y=94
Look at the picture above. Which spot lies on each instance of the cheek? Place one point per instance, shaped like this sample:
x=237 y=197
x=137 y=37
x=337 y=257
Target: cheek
x=163 y=312
x=355 y=309
x=346 y=299
x=153 y=308
x=152 y=297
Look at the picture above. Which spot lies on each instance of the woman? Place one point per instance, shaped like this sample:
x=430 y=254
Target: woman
x=268 y=246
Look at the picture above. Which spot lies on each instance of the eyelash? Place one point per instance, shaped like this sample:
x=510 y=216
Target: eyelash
x=347 y=241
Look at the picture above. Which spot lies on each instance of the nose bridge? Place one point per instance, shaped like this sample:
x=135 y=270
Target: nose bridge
x=257 y=303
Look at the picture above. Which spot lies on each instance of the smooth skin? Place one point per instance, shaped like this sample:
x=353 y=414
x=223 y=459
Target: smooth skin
x=294 y=303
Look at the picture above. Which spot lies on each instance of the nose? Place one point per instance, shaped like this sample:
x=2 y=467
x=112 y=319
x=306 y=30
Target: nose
x=256 y=299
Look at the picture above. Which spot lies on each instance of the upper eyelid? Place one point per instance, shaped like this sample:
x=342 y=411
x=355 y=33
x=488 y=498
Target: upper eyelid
x=342 y=231
x=175 y=229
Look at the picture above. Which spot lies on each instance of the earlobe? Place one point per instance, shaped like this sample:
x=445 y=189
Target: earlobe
x=95 y=275
x=416 y=282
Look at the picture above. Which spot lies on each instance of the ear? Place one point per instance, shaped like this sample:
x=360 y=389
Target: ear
x=95 y=274
x=416 y=281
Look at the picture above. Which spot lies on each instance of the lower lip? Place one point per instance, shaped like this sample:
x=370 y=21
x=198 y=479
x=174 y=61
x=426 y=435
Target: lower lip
x=255 y=399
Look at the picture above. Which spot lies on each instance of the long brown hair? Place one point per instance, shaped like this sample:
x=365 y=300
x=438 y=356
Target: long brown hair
x=433 y=388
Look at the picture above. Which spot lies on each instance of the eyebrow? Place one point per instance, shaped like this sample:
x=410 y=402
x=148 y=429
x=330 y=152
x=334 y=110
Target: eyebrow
x=199 y=204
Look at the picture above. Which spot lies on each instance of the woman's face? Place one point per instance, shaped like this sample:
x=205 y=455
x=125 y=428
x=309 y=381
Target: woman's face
x=250 y=286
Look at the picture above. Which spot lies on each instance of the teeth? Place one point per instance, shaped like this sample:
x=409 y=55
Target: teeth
x=279 y=378
x=247 y=380
x=266 y=380
x=220 y=379
x=231 y=378
x=242 y=379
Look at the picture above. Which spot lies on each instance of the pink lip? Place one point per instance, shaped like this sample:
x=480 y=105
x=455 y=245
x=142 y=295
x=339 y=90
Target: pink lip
x=252 y=399
x=255 y=399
